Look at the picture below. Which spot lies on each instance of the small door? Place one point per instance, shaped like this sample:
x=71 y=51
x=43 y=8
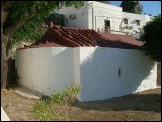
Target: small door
x=107 y=26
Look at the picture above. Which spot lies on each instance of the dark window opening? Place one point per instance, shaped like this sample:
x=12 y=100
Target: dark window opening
x=138 y=22
x=57 y=19
x=125 y=21
x=107 y=23
x=107 y=26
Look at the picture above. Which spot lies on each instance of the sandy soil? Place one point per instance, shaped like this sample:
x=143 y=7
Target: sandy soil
x=16 y=107
x=144 y=106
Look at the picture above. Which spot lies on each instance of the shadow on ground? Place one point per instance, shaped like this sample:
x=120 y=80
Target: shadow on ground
x=136 y=102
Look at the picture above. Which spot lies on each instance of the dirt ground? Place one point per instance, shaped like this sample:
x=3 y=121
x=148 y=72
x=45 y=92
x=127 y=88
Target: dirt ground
x=16 y=107
x=144 y=106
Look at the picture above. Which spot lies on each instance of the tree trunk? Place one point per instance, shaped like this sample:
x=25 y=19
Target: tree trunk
x=8 y=71
x=4 y=65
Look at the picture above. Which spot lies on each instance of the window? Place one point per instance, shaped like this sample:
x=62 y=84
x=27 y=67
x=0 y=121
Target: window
x=107 y=23
x=138 y=22
x=125 y=21
x=107 y=26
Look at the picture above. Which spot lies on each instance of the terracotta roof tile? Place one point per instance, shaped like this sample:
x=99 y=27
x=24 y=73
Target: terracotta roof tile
x=122 y=38
x=74 y=37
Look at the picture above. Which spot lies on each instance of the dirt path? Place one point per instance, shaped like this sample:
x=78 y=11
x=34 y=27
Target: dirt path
x=145 y=106
x=15 y=106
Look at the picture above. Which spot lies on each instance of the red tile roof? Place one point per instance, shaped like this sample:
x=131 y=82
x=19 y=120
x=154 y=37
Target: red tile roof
x=122 y=40
x=74 y=37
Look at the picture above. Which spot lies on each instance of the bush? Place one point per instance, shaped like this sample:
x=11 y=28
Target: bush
x=66 y=97
x=56 y=108
x=152 y=38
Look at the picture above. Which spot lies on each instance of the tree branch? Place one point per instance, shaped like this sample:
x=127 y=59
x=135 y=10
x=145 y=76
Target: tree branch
x=5 y=5
x=10 y=31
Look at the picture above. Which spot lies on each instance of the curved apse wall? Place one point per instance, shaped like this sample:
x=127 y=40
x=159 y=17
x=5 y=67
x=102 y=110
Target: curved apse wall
x=45 y=69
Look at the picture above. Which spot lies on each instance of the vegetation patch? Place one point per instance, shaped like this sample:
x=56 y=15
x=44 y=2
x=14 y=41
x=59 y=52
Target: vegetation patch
x=57 y=106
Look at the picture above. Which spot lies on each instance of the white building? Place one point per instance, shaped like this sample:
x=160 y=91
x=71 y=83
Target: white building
x=104 y=65
x=104 y=68
x=104 y=17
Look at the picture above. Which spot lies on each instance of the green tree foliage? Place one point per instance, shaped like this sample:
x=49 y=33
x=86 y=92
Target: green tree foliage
x=132 y=7
x=152 y=38
x=33 y=13
x=21 y=21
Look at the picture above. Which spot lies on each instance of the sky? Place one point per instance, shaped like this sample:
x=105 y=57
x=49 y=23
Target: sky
x=149 y=7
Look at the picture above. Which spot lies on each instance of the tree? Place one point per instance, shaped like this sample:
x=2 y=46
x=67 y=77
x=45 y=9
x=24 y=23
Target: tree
x=19 y=21
x=132 y=7
x=151 y=37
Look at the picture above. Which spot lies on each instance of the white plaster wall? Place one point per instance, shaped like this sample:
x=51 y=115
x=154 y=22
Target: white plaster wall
x=84 y=15
x=95 y=69
x=148 y=18
x=45 y=69
x=99 y=72
x=80 y=13
x=93 y=14
x=99 y=12
x=132 y=21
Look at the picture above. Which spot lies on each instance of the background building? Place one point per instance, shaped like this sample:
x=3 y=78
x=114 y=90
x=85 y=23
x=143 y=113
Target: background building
x=103 y=17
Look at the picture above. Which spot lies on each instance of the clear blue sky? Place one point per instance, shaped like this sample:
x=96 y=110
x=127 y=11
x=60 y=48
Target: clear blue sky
x=149 y=7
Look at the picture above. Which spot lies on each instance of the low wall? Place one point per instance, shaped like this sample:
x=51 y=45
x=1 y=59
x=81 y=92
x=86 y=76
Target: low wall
x=4 y=116
x=113 y=72
x=45 y=69
x=101 y=72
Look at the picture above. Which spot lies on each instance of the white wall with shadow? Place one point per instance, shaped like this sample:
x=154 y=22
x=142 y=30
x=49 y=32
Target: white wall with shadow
x=101 y=72
x=113 y=72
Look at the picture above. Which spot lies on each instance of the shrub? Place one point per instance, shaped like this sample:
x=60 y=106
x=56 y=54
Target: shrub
x=56 y=108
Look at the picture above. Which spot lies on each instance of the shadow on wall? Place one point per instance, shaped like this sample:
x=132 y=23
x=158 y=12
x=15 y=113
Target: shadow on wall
x=12 y=74
x=159 y=73
x=113 y=72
